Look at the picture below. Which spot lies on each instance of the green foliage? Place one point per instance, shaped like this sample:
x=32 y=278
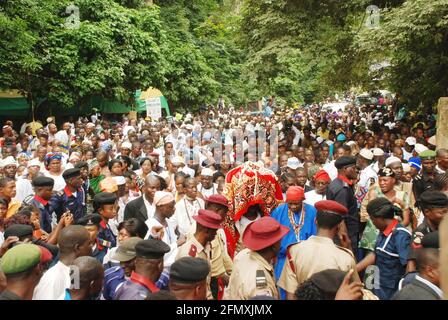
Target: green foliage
x=196 y=51
x=415 y=41
x=114 y=51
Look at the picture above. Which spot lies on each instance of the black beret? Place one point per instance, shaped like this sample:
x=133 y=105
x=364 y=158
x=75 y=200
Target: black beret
x=433 y=199
x=382 y=208
x=189 y=270
x=431 y=240
x=18 y=230
x=344 y=161
x=151 y=249
x=104 y=198
x=89 y=220
x=386 y=172
x=82 y=164
x=43 y=182
x=71 y=173
x=328 y=280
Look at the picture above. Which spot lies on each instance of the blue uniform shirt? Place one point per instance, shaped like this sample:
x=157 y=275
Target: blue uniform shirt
x=391 y=257
x=45 y=212
x=106 y=237
x=65 y=200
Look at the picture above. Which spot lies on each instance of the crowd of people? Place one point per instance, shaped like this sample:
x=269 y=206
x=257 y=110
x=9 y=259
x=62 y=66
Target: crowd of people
x=295 y=203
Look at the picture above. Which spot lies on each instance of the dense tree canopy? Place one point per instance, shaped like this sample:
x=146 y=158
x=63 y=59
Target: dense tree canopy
x=196 y=51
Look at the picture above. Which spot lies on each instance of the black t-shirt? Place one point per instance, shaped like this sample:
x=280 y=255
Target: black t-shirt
x=422 y=230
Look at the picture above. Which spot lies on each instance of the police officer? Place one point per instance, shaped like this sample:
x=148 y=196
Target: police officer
x=302 y=261
x=84 y=171
x=391 y=247
x=148 y=268
x=434 y=205
x=199 y=244
x=253 y=273
x=92 y=224
x=342 y=191
x=72 y=197
x=43 y=188
x=188 y=278
x=425 y=180
x=105 y=204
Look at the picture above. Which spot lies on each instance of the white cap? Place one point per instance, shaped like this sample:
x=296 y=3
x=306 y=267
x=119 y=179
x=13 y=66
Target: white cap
x=350 y=143
x=293 y=163
x=420 y=148
x=90 y=125
x=366 y=153
x=411 y=141
x=189 y=127
x=87 y=141
x=391 y=160
x=432 y=140
x=120 y=180
x=406 y=167
x=8 y=161
x=126 y=145
x=34 y=162
x=378 y=152
x=178 y=159
x=207 y=172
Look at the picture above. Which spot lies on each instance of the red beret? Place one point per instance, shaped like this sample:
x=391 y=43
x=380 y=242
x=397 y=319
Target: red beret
x=218 y=199
x=322 y=175
x=45 y=255
x=208 y=218
x=263 y=233
x=331 y=206
x=295 y=193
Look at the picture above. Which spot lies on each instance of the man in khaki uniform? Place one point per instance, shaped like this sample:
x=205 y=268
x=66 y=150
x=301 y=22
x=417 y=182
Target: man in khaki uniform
x=198 y=245
x=318 y=252
x=221 y=263
x=253 y=272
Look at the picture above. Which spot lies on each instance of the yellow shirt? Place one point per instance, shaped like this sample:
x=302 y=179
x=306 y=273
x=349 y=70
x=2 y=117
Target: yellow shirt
x=13 y=207
x=243 y=281
x=305 y=262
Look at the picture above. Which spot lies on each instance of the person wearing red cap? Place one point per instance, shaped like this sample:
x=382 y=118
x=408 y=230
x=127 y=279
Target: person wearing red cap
x=302 y=260
x=321 y=180
x=221 y=263
x=198 y=245
x=253 y=272
x=299 y=218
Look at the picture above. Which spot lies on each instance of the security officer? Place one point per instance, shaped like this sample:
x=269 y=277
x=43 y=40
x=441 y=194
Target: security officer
x=221 y=263
x=253 y=273
x=391 y=247
x=425 y=180
x=43 y=189
x=188 y=278
x=342 y=191
x=72 y=197
x=199 y=244
x=92 y=224
x=105 y=204
x=84 y=170
x=148 y=268
x=302 y=261
x=434 y=205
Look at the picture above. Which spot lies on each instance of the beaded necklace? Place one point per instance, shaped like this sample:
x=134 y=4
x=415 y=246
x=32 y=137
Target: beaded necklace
x=297 y=226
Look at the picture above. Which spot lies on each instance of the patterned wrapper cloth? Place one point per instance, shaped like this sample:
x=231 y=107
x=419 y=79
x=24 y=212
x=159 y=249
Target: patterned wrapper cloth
x=247 y=185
